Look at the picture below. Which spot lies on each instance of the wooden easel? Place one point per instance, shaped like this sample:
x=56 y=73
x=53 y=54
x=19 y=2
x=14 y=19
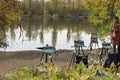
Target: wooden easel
x=47 y=55
x=77 y=52
x=105 y=47
x=94 y=40
x=78 y=55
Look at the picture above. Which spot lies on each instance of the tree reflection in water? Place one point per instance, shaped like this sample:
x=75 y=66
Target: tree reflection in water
x=33 y=32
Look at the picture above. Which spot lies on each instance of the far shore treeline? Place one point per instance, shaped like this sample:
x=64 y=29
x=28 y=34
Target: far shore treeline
x=98 y=12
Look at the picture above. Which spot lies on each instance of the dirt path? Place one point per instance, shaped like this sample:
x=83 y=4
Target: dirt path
x=10 y=61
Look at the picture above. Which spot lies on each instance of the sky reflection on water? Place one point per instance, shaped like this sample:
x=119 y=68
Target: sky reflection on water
x=61 y=43
x=33 y=33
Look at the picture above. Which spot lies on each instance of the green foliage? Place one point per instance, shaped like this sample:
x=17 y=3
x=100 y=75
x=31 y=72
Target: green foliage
x=52 y=72
x=118 y=13
x=101 y=11
x=21 y=74
x=104 y=30
x=98 y=10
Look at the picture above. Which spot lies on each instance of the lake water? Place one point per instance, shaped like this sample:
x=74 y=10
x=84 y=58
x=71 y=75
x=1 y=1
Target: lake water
x=35 y=32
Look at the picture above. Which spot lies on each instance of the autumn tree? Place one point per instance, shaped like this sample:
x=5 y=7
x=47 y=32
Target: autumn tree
x=101 y=11
x=9 y=11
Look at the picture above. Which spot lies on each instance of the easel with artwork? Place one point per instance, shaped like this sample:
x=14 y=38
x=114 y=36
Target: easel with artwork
x=79 y=55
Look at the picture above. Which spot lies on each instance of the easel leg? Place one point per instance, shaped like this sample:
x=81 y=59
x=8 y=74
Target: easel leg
x=78 y=50
x=91 y=45
x=82 y=51
x=71 y=61
x=101 y=53
x=46 y=58
x=41 y=57
x=97 y=45
x=50 y=57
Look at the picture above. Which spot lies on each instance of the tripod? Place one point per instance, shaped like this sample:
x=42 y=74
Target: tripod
x=78 y=58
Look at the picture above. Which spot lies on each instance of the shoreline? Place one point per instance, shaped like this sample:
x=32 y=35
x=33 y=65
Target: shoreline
x=12 y=60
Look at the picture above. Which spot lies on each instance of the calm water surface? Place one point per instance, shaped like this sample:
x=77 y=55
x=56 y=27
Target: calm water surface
x=34 y=32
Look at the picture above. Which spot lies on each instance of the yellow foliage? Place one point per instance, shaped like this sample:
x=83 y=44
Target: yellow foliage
x=54 y=1
x=99 y=10
x=84 y=77
x=9 y=11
